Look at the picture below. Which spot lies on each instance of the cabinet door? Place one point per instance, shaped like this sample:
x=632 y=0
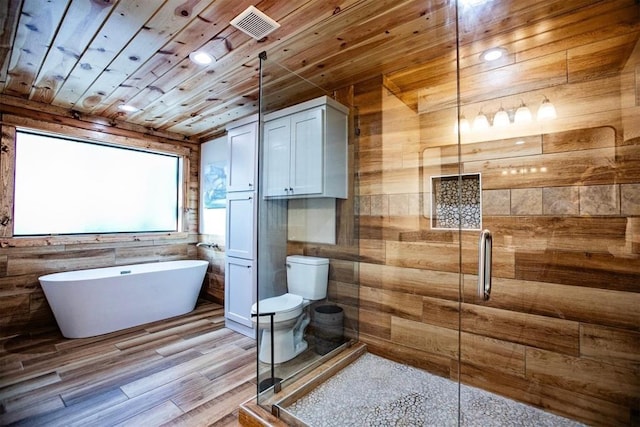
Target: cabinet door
x=242 y=143
x=240 y=290
x=307 y=152
x=277 y=137
x=241 y=220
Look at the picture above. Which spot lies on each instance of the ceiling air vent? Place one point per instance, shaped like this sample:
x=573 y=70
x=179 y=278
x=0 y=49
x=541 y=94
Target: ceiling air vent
x=254 y=23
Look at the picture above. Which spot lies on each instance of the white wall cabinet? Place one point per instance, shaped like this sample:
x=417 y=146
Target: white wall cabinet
x=305 y=149
x=241 y=229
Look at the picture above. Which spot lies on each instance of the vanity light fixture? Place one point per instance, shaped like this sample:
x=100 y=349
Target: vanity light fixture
x=523 y=114
x=200 y=57
x=503 y=118
x=547 y=111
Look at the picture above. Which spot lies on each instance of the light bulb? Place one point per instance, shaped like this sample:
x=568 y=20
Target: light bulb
x=480 y=122
x=523 y=115
x=462 y=126
x=547 y=111
x=501 y=119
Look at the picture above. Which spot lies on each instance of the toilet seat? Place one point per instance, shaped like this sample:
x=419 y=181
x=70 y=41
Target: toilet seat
x=286 y=307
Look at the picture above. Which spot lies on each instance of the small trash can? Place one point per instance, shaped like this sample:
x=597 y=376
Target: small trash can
x=328 y=327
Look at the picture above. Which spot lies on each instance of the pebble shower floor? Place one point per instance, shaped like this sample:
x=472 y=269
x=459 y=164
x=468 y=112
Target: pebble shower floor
x=374 y=391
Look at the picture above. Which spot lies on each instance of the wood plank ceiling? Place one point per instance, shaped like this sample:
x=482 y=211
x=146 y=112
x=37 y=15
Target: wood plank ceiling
x=91 y=56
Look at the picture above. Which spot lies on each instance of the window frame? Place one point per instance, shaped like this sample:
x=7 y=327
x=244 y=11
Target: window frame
x=10 y=125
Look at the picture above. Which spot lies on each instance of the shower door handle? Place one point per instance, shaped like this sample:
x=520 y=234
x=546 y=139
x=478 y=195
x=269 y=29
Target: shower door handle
x=484 y=264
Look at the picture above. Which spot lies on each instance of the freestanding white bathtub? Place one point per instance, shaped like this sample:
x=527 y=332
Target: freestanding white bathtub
x=92 y=302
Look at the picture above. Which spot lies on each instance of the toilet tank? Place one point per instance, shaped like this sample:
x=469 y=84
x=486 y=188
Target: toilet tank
x=307 y=276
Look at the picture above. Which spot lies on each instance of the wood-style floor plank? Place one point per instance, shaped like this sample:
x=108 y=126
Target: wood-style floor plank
x=68 y=415
x=158 y=415
x=188 y=370
x=164 y=376
x=29 y=385
x=41 y=407
x=194 y=342
x=215 y=410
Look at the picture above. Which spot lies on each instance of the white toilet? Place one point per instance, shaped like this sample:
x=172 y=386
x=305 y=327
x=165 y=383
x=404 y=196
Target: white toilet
x=307 y=279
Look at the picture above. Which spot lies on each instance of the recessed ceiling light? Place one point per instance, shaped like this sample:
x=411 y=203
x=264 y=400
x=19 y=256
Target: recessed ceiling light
x=493 y=54
x=201 y=58
x=127 y=108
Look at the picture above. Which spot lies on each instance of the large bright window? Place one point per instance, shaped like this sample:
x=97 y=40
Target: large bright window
x=66 y=186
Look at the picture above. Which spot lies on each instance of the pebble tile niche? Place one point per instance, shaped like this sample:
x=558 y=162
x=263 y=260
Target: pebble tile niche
x=446 y=211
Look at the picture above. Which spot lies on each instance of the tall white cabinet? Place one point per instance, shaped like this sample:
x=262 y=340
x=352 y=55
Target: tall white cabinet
x=305 y=156
x=241 y=227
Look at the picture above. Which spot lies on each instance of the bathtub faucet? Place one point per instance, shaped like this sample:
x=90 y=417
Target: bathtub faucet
x=209 y=245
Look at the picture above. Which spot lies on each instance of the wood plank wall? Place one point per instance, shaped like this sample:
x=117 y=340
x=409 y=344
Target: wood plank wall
x=23 y=307
x=562 y=328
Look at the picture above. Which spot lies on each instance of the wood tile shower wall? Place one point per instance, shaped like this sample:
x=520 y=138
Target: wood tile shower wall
x=562 y=328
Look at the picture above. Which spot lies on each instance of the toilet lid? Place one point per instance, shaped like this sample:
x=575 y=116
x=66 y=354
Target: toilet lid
x=285 y=306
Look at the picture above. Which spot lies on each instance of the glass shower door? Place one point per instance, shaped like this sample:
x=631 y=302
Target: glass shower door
x=409 y=224
x=551 y=129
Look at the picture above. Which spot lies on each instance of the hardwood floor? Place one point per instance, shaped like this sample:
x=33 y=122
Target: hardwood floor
x=187 y=370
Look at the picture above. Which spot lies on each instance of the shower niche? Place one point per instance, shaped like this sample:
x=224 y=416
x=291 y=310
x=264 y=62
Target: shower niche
x=456 y=201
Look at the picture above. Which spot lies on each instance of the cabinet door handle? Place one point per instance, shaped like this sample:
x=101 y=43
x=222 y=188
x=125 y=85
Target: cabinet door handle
x=250 y=185
x=291 y=189
x=286 y=190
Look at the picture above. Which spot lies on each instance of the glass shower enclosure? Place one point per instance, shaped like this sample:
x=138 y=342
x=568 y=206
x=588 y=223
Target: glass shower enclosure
x=491 y=233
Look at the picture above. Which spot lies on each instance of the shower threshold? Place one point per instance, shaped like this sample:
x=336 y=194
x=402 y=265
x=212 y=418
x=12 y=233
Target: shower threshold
x=373 y=391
